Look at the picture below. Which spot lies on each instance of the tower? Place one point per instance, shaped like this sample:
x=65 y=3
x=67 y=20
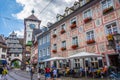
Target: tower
x=30 y=23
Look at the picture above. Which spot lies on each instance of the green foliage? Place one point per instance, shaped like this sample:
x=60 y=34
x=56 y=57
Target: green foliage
x=16 y=64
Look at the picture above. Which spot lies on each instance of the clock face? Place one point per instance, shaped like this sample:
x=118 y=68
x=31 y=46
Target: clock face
x=32 y=26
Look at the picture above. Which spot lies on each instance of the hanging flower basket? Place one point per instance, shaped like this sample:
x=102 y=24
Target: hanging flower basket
x=88 y=19
x=74 y=46
x=90 y=41
x=73 y=26
x=107 y=10
x=62 y=31
x=54 y=51
x=54 y=35
x=63 y=48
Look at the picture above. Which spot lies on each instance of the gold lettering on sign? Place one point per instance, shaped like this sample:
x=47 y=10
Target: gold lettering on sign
x=109 y=17
x=89 y=25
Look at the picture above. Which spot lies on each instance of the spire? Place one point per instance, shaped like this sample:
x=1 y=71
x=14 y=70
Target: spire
x=33 y=11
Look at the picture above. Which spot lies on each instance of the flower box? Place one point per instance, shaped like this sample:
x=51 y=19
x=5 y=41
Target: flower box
x=107 y=10
x=90 y=41
x=54 y=51
x=73 y=26
x=54 y=35
x=88 y=19
x=63 y=48
x=62 y=31
x=74 y=46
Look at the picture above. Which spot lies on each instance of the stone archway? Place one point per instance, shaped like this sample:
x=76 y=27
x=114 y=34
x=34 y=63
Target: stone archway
x=16 y=63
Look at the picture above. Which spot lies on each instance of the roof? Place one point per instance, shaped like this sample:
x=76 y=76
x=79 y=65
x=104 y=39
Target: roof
x=2 y=42
x=32 y=17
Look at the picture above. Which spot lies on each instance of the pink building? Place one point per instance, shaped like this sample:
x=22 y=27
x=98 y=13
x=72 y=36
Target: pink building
x=86 y=27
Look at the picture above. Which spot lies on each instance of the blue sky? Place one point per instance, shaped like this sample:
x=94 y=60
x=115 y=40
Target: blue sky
x=13 y=12
x=8 y=23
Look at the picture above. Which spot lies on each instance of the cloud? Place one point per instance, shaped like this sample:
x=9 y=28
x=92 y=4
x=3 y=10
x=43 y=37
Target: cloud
x=48 y=14
x=20 y=33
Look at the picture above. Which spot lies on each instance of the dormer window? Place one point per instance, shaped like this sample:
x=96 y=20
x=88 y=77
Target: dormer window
x=82 y=2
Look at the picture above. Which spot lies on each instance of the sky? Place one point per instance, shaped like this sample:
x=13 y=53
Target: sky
x=13 y=12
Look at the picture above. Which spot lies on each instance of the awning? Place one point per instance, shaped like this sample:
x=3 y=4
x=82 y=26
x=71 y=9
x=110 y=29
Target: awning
x=54 y=58
x=84 y=55
x=3 y=62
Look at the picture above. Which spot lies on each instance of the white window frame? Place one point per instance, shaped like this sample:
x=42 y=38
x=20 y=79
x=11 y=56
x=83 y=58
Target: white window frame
x=63 y=44
x=106 y=5
x=75 y=40
x=48 y=38
x=55 y=31
x=91 y=35
x=63 y=27
x=74 y=19
x=55 y=46
x=40 y=53
x=43 y=52
x=87 y=13
x=48 y=50
x=110 y=24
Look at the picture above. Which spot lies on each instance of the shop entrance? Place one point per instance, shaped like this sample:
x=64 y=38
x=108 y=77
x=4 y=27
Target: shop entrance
x=114 y=61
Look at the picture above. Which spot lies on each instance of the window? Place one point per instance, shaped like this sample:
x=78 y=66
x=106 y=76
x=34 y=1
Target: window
x=43 y=40
x=48 y=38
x=64 y=44
x=55 y=46
x=3 y=56
x=55 y=31
x=73 y=20
x=3 y=50
x=90 y=35
x=28 y=35
x=87 y=14
x=16 y=55
x=63 y=27
x=48 y=50
x=40 y=53
x=112 y=28
x=75 y=40
x=40 y=41
x=107 y=4
x=44 y=52
x=77 y=63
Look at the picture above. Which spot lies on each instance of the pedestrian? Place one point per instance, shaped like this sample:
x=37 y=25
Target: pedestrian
x=39 y=73
x=4 y=73
x=55 y=73
x=1 y=70
x=47 y=72
x=31 y=72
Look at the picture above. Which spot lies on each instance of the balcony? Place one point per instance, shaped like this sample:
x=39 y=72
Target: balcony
x=73 y=25
x=63 y=49
x=107 y=10
x=62 y=31
x=90 y=41
x=88 y=19
x=74 y=46
x=54 y=35
x=54 y=51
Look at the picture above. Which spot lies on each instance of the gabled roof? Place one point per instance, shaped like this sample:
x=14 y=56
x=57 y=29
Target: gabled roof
x=32 y=17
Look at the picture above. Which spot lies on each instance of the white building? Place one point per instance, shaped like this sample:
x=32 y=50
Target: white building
x=3 y=50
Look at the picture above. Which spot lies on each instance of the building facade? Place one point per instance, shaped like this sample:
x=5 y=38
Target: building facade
x=3 y=51
x=85 y=27
x=30 y=23
x=44 y=46
x=14 y=50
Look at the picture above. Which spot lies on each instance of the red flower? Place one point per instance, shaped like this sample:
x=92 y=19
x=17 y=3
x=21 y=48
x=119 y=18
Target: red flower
x=54 y=51
x=87 y=19
x=54 y=35
x=108 y=10
x=90 y=41
x=74 y=46
x=73 y=26
x=62 y=31
x=63 y=48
